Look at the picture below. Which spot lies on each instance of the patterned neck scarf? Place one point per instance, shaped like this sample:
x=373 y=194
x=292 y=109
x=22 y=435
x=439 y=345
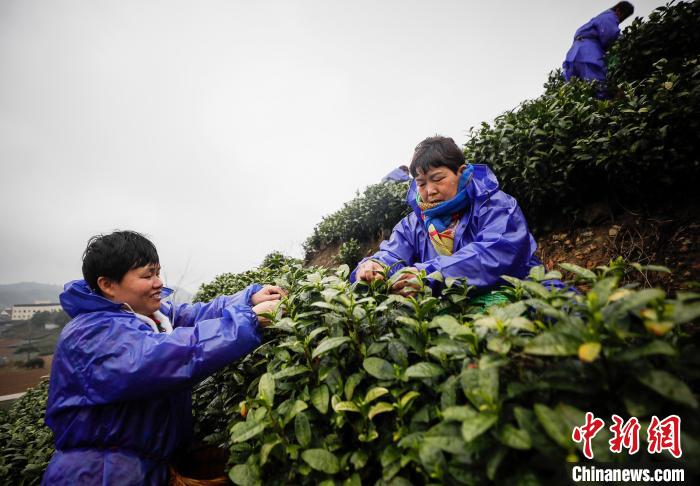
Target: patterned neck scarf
x=440 y=219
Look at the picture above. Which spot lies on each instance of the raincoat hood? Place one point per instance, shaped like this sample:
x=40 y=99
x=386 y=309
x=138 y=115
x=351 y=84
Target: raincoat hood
x=78 y=298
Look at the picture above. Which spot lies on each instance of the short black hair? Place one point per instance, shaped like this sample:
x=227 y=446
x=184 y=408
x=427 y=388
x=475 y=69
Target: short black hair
x=436 y=151
x=625 y=9
x=115 y=254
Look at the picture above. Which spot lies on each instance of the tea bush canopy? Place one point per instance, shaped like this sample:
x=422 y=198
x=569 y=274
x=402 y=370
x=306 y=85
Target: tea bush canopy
x=353 y=385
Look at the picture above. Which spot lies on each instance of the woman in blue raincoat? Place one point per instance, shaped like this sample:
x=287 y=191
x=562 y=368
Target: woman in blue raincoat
x=462 y=225
x=586 y=57
x=120 y=388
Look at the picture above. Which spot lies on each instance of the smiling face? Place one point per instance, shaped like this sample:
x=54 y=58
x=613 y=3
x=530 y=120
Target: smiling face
x=438 y=184
x=140 y=288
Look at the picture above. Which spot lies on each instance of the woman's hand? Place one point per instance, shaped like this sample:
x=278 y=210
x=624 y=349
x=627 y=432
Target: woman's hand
x=370 y=270
x=407 y=283
x=267 y=307
x=268 y=293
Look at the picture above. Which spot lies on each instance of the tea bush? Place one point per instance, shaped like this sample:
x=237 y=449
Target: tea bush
x=354 y=386
x=273 y=264
x=671 y=32
x=350 y=253
x=211 y=399
x=369 y=215
x=566 y=148
x=27 y=443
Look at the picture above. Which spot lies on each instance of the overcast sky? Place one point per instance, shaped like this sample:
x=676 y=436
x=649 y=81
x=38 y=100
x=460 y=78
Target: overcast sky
x=225 y=130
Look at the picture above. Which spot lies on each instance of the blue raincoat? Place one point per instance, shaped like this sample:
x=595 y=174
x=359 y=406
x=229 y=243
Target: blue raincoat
x=586 y=58
x=120 y=394
x=396 y=175
x=491 y=239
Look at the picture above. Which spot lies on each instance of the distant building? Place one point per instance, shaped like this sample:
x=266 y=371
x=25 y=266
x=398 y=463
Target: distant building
x=23 y=312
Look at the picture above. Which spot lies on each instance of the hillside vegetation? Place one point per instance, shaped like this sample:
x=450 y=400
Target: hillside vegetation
x=566 y=149
x=355 y=386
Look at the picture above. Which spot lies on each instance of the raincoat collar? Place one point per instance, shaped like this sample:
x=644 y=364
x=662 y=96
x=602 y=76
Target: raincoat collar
x=78 y=298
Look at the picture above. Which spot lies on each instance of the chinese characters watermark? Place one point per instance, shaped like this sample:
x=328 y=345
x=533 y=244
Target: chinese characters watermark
x=662 y=435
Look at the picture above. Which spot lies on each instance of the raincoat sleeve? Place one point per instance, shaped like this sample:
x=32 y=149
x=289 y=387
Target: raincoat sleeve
x=118 y=357
x=396 y=252
x=607 y=28
x=502 y=246
x=186 y=315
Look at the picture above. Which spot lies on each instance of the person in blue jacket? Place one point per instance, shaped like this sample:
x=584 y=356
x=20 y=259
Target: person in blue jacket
x=119 y=400
x=400 y=174
x=586 y=57
x=462 y=225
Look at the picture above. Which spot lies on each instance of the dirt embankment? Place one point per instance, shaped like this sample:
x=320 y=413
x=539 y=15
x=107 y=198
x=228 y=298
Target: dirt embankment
x=668 y=237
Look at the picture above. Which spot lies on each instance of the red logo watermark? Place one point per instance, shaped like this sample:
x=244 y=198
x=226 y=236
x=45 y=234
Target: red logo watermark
x=661 y=435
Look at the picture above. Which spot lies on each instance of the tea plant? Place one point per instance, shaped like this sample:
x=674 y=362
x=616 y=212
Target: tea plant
x=27 y=443
x=354 y=385
x=633 y=56
x=369 y=215
x=636 y=148
x=350 y=253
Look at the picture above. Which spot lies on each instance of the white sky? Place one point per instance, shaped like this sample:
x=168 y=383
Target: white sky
x=225 y=130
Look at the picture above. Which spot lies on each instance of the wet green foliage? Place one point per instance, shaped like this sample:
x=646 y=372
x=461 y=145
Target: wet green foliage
x=26 y=442
x=356 y=386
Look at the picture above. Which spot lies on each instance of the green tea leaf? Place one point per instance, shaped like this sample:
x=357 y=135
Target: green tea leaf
x=580 y=272
x=459 y=413
x=554 y=425
x=477 y=425
x=266 y=389
x=350 y=384
x=664 y=383
x=302 y=429
x=408 y=398
x=321 y=460
x=379 y=368
x=346 y=407
x=654 y=347
x=320 y=397
x=379 y=407
x=424 y=370
x=290 y=371
x=375 y=393
x=480 y=386
x=514 y=437
x=450 y=325
x=329 y=344
x=243 y=431
x=358 y=459
x=243 y=475
x=552 y=344
x=266 y=449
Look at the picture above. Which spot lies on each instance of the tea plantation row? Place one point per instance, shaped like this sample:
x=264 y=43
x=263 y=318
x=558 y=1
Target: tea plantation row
x=356 y=386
